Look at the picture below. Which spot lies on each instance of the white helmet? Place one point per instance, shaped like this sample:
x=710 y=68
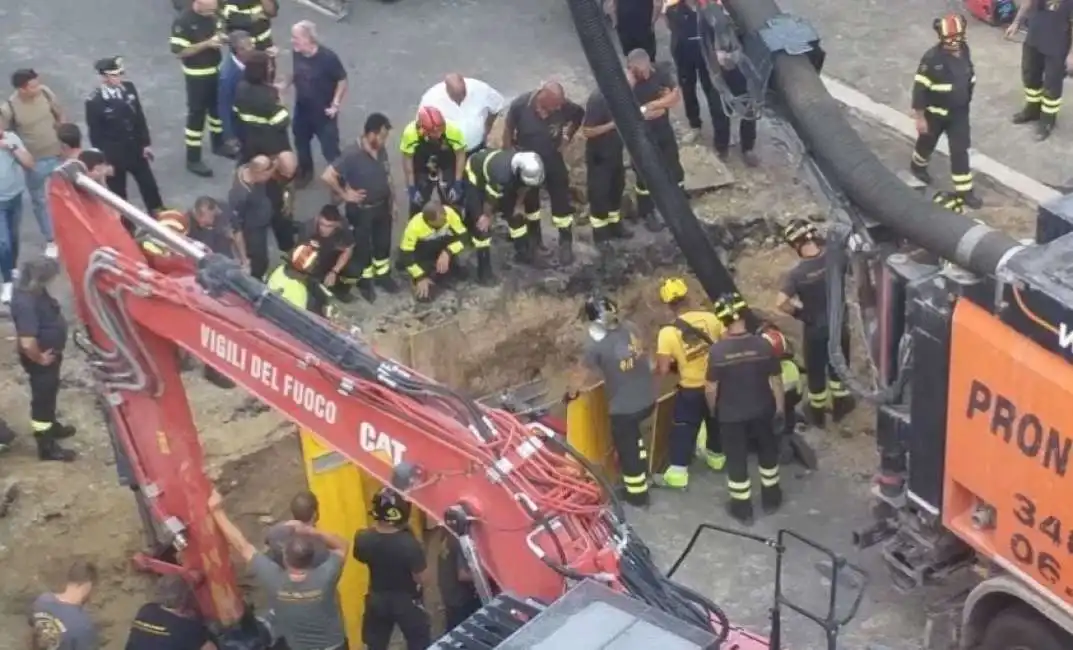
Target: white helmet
x=529 y=167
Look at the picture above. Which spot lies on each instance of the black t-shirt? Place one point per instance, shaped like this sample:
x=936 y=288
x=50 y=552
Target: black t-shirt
x=315 y=79
x=541 y=134
x=453 y=591
x=341 y=238
x=807 y=280
x=661 y=81
x=393 y=559
x=634 y=13
x=361 y=170
x=217 y=237
x=743 y=365
x=1050 y=26
x=37 y=315
x=598 y=113
x=155 y=628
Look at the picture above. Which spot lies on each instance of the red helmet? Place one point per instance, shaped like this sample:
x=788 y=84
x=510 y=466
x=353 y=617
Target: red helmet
x=304 y=257
x=776 y=339
x=430 y=120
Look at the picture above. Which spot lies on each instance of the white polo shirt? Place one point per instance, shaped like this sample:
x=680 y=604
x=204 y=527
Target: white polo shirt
x=470 y=116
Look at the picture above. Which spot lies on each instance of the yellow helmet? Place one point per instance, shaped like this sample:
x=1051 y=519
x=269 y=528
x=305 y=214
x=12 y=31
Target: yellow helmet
x=672 y=289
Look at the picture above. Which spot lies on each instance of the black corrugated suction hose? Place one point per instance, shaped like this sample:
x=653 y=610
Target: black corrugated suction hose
x=851 y=165
x=669 y=199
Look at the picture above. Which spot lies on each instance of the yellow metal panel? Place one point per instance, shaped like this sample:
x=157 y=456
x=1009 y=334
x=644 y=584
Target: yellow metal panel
x=657 y=436
x=343 y=492
x=588 y=429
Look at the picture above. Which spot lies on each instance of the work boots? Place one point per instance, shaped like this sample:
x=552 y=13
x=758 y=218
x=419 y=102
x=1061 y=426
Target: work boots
x=842 y=406
x=741 y=510
x=226 y=149
x=817 y=416
x=970 y=200
x=920 y=173
x=566 y=246
x=527 y=251
x=1044 y=127
x=198 y=168
x=618 y=230
x=386 y=283
x=367 y=289
x=1029 y=113
x=771 y=498
x=485 y=277
x=48 y=449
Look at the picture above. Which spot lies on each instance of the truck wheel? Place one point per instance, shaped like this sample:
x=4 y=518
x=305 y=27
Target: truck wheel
x=1020 y=628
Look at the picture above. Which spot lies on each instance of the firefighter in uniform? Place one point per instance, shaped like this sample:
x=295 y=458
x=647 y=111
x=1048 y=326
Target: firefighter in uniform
x=159 y=255
x=657 y=92
x=1045 y=57
x=804 y=296
x=433 y=157
x=253 y=17
x=942 y=91
x=431 y=244
x=498 y=180
x=615 y=353
x=196 y=39
x=397 y=569
x=293 y=280
x=116 y=126
x=744 y=389
x=682 y=347
x=605 y=171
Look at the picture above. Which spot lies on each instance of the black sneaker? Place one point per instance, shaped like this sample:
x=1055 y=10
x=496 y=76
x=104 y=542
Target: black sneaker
x=740 y=511
x=199 y=168
x=971 y=201
x=771 y=499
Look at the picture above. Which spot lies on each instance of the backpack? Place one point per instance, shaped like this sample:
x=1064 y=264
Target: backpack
x=992 y=12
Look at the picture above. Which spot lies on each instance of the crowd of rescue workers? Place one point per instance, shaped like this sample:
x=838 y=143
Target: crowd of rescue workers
x=740 y=385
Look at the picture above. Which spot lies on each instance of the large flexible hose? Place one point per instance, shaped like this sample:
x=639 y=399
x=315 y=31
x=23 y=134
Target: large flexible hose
x=822 y=126
x=668 y=197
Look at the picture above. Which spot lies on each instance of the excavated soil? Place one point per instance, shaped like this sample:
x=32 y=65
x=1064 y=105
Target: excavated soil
x=477 y=340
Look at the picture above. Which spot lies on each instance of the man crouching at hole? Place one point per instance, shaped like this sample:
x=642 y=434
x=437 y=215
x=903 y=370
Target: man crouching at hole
x=302 y=595
x=430 y=247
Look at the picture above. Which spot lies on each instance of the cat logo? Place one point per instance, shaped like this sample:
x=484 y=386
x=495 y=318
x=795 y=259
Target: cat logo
x=380 y=444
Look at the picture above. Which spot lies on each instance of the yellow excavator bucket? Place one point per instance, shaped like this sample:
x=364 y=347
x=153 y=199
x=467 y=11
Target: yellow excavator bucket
x=343 y=492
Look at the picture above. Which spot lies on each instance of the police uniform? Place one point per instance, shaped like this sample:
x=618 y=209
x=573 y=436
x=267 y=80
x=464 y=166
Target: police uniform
x=433 y=162
x=687 y=342
x=605 y=173
x=690 y=60
x=544 y=136
x=807 y=281
x=661 y=133
x=942 y=90
x=423 y=244
x=741 y=367
x=37 y=315
x=393 y=556
x=202 y=72
x=264 y=121
x=1043 y=63
x=251 y=17
x=117 y=126
x=491 y=180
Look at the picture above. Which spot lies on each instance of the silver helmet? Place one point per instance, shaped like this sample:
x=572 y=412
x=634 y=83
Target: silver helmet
x=529 y=167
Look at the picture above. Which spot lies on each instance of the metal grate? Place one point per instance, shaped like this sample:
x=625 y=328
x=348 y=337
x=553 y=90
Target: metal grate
x=490 y=626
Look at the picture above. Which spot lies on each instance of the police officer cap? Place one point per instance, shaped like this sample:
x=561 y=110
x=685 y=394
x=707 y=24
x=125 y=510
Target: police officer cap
x=109 y=65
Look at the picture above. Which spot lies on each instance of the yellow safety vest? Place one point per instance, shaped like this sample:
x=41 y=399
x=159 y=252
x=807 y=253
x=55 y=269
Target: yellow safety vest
x=791 y=375
x=293 y=290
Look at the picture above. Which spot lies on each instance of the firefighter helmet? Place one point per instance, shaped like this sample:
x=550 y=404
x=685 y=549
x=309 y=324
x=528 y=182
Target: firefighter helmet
x=730 y=307
x=772 y=335
x=389 y=507
x=950 y=28
x=174 y=220
x=950 y=201
x=798 y=232
x=304 y=257
x=673 y=289
x=529 y=167
x=430 y=120
x=598 y=309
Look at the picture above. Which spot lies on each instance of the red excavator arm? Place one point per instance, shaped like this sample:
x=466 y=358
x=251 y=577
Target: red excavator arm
x=538 y=515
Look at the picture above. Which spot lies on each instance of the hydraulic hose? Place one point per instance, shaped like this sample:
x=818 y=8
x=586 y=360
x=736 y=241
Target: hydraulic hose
x=670 y=200
x=850 y=163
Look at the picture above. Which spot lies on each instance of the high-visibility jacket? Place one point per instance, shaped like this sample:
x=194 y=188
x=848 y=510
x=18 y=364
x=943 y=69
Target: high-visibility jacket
x=944 y=82
x=422 y=244
x=433 y=158
x=298 y=290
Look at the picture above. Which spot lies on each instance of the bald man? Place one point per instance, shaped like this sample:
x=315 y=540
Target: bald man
x=251 y=213
x=544 y=121
x=468 y=103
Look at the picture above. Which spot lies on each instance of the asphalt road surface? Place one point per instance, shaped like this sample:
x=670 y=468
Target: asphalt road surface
x=393 y=53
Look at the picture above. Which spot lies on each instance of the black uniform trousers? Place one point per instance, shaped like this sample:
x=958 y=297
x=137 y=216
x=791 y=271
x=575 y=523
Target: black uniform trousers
x=637 y=35
x=383 y=611
x=255 y=239
x=1042 y=77
x=372 y=238
x=201 y=109
x=958 y=138
x=632 y=454
x=721 y=122
x=305 y=127
x=605 y=182
x=135 y=164
x=44 y=392
x=823 y=382
x=283 y=228
x=557 y=185
x=737 y=437
x=473 y=207
x=668 y=148
x=692 y=68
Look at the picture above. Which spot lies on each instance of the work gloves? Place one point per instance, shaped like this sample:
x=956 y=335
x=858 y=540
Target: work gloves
x=454 y=195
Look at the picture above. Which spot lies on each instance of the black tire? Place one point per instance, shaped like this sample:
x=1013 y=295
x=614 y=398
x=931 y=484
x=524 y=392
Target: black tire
x=1019 y=628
